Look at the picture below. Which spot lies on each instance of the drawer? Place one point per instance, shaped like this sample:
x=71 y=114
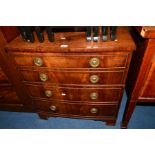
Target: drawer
x=110 y=60
x=104 y=95
x=74 y=77
x=76 y=109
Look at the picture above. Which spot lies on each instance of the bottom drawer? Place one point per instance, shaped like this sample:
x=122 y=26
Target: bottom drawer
x=76 y=109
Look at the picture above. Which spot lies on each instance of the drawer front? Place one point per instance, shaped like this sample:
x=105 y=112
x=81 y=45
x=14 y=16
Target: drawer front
x=78 y=77
x=72 y=60
x=76 y=109
x=110 y=95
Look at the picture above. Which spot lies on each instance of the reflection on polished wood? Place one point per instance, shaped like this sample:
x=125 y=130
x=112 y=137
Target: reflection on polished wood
x=71 y=77
x=140 y=83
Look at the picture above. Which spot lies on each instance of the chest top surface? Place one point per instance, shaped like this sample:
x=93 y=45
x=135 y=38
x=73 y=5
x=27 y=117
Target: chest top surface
x=75 y=42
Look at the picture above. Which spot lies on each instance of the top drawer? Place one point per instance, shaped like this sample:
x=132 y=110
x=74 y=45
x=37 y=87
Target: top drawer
x=62 y=60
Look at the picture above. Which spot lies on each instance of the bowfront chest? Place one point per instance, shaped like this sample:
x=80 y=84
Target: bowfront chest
x=71 y=77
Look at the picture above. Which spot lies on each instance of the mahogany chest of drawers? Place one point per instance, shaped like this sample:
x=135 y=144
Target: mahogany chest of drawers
x=71 y=77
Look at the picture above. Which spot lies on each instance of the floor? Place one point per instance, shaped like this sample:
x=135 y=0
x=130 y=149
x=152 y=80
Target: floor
x=142 y=118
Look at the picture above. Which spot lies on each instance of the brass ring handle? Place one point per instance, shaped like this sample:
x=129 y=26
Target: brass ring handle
x=38 y=62
x=43 y=77
x=94 y=78
x=94 y=95
x=53 y=108
x=93 y=110
x=48 y=93
x=94 y=62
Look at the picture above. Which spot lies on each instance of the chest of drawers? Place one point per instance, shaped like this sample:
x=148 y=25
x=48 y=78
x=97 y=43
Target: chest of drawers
x=140 y=81
x=74 y=78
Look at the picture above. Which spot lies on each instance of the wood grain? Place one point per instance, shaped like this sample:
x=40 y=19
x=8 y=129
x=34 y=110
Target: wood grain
x=76 y=43
x=74 y=77
x=11 y=95
x=76 y=109
x=9 y=32
x=140 y=82
x=68 y=70
x=71 y=60
x=76 y=94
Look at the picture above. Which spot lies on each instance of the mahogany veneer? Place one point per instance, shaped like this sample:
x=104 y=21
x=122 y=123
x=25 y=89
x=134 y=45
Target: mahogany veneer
x=64 y=81
x=140 y=82
x=13 y=97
